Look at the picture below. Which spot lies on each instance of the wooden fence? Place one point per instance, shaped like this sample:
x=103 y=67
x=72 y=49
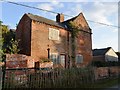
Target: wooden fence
x=1 y=77
x=49 y=78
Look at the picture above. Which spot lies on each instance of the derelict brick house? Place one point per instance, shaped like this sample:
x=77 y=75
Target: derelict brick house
x=44 y=38
x=104 y=54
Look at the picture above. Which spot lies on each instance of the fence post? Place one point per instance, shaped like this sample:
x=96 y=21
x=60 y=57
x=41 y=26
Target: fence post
x=3 y=73
x=1 y=77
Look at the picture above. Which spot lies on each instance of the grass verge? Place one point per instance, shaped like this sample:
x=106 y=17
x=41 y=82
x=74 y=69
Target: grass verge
x=104 y=83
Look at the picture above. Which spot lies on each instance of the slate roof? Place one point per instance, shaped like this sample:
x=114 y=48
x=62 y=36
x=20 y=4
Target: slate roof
x=97 y=52
x=45 y=20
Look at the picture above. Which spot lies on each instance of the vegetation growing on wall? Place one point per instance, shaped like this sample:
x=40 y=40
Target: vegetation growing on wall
x=74 y=34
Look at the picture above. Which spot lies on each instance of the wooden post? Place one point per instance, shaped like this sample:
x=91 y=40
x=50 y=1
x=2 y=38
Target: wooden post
x=1 y=77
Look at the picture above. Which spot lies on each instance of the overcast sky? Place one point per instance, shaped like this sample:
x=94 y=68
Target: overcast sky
x=105 y=12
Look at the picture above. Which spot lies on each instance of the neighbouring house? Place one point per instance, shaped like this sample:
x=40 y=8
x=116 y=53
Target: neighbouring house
x=104 y=54
x=44 y=38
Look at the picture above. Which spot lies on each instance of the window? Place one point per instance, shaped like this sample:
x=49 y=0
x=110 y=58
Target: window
x=53 y=34
x=79 y=58
x=55 y=58
x=62 y=60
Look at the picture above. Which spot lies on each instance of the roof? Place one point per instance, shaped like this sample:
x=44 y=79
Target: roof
x=45 y=20
x=71 y=19
x=74 y=18
x=97 y=52
x=51 y=22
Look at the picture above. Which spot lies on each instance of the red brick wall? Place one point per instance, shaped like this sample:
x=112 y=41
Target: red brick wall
x=40 y=41
x=84 y=46
x=102 y=72
x=19 y=61
x=84 y=40
x=23 y=33
x=35 y=42
x=115 y=70
x=98 y=58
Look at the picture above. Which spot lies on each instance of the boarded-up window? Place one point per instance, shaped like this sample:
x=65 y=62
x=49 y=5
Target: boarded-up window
x=79 y=58
x=53 y=34
x=54 y=57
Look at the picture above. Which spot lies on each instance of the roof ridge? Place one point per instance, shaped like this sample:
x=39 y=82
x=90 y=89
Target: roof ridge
x=102 y=48
x=44 y=20
x=73 y=18
x=40 y=16
x=101 y=51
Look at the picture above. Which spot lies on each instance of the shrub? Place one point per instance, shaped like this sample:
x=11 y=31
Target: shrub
x=105 y=64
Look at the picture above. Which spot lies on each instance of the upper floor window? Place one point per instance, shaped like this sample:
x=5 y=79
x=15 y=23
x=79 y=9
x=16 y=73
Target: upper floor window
x=53 y=34
x=79 y=58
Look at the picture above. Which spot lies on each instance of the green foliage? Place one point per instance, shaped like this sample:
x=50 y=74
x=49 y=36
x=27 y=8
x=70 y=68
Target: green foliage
x=42 y=60
x=8 y=37
x=8 y=44
x=62 y=78
x=74 y=34
x=74 y=29
x=14 y=47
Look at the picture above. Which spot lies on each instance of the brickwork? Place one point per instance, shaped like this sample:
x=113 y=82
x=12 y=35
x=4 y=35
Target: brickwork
x=103 y=72
x=40 y=41
x=18 y=61
x=23 y=33
x=99 y=58
x=84 y=40
x=60 y=18
x=22 y=61
x=34 y=36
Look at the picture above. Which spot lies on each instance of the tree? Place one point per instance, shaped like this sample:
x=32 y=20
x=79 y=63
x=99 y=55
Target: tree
x=74 y=34
x=7 y=41
x=14 y=47
x=3 y=30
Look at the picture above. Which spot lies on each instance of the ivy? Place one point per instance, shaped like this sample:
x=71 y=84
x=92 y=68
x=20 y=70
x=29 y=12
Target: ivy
x=74 y=34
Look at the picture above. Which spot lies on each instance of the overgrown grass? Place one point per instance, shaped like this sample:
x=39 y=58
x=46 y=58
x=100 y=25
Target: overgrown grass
x=83 y=78
x=104 y=83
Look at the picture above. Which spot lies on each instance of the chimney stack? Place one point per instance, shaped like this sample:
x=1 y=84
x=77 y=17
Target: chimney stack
x=60 y=18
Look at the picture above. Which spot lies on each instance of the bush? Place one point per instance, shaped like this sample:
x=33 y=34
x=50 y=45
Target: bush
x=62 y=78
x=42 y=60
x=105 y=64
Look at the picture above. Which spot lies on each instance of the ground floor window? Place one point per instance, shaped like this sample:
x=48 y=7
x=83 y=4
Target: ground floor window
x=62 y=60
x=54 y=57
x=58 y=59
x=79 y=58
